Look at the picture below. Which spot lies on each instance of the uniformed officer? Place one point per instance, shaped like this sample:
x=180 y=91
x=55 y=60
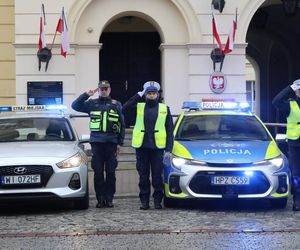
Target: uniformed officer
x=152 y=137
x=291 y=109
x=106 y=137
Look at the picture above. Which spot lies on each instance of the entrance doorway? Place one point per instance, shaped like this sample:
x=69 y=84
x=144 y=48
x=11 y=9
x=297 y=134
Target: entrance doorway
x=127 y=61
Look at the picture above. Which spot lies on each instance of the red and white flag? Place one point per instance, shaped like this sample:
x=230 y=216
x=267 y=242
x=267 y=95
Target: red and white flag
x=231 y=37
x=62 y=28
x=215 y=30
x=42 y=39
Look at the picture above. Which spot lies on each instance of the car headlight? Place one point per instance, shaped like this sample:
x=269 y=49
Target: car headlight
x=72 y=162
x=178 y=162
x=276 y=162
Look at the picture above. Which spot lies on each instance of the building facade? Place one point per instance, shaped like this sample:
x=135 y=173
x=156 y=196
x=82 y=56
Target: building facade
x=7 y=53
x=129 y=42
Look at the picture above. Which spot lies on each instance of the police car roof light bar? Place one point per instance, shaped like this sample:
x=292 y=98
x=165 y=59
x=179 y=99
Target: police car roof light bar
x=213 y=105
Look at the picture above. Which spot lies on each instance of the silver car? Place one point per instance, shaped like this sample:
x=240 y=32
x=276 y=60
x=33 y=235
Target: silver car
x=42 y=158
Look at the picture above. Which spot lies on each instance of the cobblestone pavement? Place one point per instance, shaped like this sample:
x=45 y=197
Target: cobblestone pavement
x=205 y=225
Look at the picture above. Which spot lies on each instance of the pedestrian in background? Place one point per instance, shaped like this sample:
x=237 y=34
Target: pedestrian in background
x=107 y=132
x=290 y=107
x=152 y=137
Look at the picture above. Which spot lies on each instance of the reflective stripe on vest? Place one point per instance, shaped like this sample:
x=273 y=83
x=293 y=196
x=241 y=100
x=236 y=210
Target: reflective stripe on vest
x=293 y=122
x=103 y=121
x=95 y=121
x=139 y=128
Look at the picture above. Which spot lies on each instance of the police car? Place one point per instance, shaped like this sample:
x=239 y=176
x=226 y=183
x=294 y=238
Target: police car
x=223 y=151
x=41 y=157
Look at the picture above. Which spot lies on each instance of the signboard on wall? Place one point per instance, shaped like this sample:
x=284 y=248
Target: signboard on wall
x=44 y=93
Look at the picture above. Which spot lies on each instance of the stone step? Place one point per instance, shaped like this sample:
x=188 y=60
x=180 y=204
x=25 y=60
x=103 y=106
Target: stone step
x=126 y=157
x=127 y=150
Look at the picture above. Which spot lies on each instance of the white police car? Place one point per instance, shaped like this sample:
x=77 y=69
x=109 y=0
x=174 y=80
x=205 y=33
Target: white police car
x=222 y=151
x=41 y=157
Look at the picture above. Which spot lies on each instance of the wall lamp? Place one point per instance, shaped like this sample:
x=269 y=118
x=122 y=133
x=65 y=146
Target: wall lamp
x=290 y=7
x=218 y=4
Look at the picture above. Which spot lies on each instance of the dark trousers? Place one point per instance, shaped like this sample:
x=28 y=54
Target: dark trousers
x=294 y=164
x=104 y=158
x=150 y=159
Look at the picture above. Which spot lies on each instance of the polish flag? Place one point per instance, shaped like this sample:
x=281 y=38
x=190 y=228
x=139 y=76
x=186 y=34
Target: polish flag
x=231 y=37
x=215 y=31
x=63 y=29
x=42 y=39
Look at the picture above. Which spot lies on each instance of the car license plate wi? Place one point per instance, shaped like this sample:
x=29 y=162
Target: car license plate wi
x=20 y=179
x=230 y=180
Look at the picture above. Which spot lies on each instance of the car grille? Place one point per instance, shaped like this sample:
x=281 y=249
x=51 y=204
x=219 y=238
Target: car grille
x=201 y=183
x=44 y=171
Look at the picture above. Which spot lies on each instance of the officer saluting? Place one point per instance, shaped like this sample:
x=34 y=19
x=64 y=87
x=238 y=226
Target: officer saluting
x=106 y=137
x=152 y=137
x=291 y=109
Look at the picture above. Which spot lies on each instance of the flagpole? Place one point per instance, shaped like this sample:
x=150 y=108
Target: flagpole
x=213 y=38
x=236 y=18
x=53 y=40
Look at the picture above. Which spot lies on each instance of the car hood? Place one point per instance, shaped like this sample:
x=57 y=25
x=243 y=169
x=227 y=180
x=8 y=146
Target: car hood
x=38 y=149
x=226 y=151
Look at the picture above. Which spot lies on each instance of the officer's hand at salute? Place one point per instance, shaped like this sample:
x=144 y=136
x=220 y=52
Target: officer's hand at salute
x=141 y=93
x=296 y=85
x=91 y=92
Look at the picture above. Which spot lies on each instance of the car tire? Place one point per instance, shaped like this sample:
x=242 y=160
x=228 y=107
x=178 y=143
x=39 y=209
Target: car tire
x=83 y=203
x=169 y=202
x=279 y=203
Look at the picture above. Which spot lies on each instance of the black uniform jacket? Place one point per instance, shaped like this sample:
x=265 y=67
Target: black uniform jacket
x=86 y=105
x=150 y=117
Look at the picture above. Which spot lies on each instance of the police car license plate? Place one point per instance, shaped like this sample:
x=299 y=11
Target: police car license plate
x=20 y=179
x=230 y=180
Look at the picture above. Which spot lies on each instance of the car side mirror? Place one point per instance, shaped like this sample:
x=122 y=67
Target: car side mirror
x=84 y=138
x=282 y=143
x=280 y=137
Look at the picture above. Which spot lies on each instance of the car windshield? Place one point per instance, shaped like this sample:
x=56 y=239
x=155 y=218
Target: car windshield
x=35 y=129
x=221 y=127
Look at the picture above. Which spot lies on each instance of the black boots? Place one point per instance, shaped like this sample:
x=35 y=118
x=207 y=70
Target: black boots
x=104 y=203
x=101 y=203
x=296 y=202
x=109 y=203
x=144 y=206
x=157 y=205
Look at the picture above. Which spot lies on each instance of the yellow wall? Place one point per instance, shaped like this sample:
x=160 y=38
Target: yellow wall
x=7 y=53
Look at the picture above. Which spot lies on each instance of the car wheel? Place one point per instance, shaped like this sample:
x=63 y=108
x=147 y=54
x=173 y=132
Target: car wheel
x=279 y=203
x=84 y=202
x=169 y=202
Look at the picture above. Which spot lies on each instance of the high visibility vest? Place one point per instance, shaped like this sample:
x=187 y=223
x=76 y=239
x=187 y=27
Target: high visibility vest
x=160 y=134
x=106 y=121
x=293 y=122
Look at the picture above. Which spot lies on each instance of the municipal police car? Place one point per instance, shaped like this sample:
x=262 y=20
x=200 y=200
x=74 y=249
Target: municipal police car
x=41 y=157
x=223 y=151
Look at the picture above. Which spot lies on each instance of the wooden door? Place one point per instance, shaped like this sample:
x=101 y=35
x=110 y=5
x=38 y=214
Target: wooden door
x=127 y=61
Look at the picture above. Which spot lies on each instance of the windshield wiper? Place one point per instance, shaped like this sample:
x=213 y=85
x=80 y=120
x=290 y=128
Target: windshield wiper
x=183 y=139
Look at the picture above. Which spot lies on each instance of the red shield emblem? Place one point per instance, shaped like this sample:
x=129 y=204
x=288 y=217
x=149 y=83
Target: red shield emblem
x=217 y=82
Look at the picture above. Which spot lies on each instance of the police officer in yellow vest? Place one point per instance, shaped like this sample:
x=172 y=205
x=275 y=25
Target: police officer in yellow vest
x=106 y=137
x=152 y=137
x=291 y=109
